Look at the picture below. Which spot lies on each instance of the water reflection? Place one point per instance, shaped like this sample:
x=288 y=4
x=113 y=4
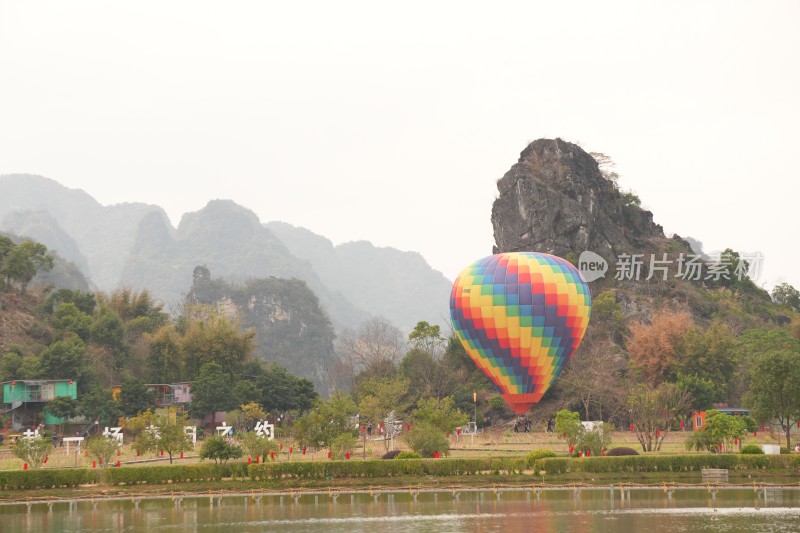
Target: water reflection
x=557 y=511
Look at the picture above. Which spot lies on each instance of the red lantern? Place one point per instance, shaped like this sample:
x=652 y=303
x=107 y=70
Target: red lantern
x=291 y=449
x=588 y=453
x=94 y=464
x=347 y=455
x=571 y=449
x=458 y=432
x=258 y=457
x=249 y=460
x=681 y=425
x=736 y=442
x=329 y=454
x=631 y=427
x=45 y=460
x=272 y=455
x=408 y=426
x=24 y=466
x=119 y=464
x=304 y=451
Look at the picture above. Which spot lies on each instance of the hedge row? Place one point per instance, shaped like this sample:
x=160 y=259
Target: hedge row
x=387 y=468
x=49 y=478
x=322 y=470
x=161 y=474
x=665 y=463
x=146 y=475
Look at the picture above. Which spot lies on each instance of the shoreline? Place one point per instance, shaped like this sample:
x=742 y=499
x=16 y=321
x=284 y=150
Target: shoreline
x=242 y=487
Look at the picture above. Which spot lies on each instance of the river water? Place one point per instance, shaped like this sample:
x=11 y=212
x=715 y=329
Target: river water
x=651 y=510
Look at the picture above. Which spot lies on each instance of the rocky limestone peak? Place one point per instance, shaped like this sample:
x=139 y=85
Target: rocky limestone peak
x=221 y=220
x=555 y=199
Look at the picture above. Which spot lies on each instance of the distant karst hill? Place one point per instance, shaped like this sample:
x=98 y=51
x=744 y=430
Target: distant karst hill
x=134 y=245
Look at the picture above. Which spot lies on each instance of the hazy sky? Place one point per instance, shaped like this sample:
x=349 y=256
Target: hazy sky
x=391 y=122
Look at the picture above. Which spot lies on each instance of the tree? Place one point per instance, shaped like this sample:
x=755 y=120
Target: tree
x=211 y=391
x=165 y=358
x=326 y=421
x=440 y=414
x=282 y=392
x=710 y=355
x=427 y=375
x=719 y=432
x=135 y=398
x=655 y=347
x=427 y=337
x=568 y=425
x=102 y=449
x=167 y=434
x=775 y=388
x=704 y=391
x=216 y=341
x=219 y=449
x=252 y=413
x=108 y=331
x=593 y=378
x=62 y=407
x=69 y=319
x=785 y=294
x=97 y=404
x=22 y=262
x=84 y=301
x=33 y=450
x=65 y=359
x=426 y=439
x=342 y=444
x=374 y=349
x=256 y=446
x=380 y=396
x=653 y=411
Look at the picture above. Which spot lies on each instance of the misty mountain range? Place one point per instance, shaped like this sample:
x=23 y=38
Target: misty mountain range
x=134 y=245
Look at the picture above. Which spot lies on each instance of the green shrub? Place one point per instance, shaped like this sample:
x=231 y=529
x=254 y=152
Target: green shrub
x=426 y=439
x=751 y=449
x=102 y=449
x=219 y=449
x=535 y=455
x=407 y=455
x=342 y=444
x=256 y=446
x=33 y=451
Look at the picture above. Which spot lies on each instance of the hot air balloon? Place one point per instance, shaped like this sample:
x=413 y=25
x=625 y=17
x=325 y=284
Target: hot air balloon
x=520 y=317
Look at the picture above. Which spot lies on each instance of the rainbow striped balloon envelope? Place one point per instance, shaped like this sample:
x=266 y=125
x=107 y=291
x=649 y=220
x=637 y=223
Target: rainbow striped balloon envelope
x=520 y=316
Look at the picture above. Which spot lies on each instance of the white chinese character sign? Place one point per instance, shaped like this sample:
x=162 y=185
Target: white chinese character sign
x=225 y=430
x=263 y=429
x=114 y=434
